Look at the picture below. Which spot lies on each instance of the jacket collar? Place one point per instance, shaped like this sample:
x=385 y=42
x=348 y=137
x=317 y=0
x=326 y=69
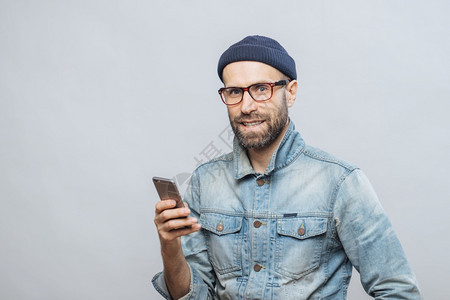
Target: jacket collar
x=290 y=147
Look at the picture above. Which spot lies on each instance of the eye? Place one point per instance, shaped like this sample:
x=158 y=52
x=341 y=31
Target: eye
x=234 y=92
x=261 y=88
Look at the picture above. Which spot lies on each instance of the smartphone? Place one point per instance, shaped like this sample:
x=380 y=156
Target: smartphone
x=167 y=189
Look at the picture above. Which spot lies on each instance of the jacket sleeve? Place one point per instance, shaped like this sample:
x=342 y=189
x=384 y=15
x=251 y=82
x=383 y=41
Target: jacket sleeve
x=370 y=241
x=203 y=278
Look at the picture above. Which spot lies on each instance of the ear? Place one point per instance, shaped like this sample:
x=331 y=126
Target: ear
x=291 y=90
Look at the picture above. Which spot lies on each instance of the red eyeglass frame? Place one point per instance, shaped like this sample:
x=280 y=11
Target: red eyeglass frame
x=246 y=89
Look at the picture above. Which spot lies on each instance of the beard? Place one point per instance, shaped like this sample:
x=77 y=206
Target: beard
x=275 y=122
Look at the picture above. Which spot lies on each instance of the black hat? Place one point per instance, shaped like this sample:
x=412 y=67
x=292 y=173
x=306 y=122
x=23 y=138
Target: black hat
x=262 y=49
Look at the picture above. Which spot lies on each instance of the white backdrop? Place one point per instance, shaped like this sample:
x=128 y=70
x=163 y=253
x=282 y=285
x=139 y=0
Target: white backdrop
x=96 y=97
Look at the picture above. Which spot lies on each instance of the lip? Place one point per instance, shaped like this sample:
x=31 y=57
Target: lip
x=249 y=127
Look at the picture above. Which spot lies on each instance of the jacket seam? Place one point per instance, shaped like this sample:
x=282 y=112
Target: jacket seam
x=224 y=157
x=346 y=166
x=333 y=198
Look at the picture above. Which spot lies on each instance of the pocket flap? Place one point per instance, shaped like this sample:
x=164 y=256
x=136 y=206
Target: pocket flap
x=220 y=224
x=302 y=228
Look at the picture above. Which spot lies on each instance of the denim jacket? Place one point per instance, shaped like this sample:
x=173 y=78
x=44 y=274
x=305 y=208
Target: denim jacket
x=293 y=232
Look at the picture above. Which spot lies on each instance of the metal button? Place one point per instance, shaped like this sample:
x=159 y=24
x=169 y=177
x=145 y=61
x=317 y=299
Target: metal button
x=301 y=231
x=257 y=268
x=219 y=227
x=257 y=224
x=260 y=182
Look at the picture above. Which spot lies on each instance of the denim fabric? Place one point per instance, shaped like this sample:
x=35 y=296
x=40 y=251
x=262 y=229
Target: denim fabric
x=293 y=232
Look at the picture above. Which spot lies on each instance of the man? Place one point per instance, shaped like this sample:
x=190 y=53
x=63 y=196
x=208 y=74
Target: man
x=275 y=219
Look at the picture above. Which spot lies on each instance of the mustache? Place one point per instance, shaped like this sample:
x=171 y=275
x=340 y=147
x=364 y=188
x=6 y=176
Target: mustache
x=251 y=117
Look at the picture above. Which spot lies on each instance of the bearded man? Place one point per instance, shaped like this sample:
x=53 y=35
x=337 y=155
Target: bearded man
x=275 y=218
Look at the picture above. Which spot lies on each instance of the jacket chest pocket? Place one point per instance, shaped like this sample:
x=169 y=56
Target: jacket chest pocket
x=299 y=245
x=224 y=242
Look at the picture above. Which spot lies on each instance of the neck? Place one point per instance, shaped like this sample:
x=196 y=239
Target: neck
x=260 y=158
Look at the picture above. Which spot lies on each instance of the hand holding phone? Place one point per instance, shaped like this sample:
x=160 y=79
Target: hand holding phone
x=172 y=222
x=167 y=189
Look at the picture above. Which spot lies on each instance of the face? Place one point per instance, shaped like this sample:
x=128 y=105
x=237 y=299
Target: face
x=258 y=124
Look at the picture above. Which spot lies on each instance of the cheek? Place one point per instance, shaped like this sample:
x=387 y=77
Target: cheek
x=232 y=112
x=273 y=110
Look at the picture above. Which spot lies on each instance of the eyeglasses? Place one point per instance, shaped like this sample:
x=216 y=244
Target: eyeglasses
x=260 y=92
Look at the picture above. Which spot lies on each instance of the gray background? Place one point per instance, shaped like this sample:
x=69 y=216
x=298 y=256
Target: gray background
x=96 y=97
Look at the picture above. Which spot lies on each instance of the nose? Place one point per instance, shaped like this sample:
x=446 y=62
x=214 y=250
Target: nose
x=248 y=104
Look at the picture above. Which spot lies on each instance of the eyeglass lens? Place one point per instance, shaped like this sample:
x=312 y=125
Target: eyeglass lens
x=259 y=92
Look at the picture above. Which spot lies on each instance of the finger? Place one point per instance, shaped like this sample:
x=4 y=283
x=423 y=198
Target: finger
x=173 y=234
x=173 y=213
x=188 y=230
x=174 y=224
x=180 y=214
x=164 y=204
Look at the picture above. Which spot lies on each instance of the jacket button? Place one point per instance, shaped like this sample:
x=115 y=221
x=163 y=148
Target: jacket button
x=301 y=231
x=219 y=227
x=257 y=268
x=260 y=182
x=257 y=224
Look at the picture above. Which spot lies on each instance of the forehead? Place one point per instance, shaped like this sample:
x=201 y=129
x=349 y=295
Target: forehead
x=245 y=73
